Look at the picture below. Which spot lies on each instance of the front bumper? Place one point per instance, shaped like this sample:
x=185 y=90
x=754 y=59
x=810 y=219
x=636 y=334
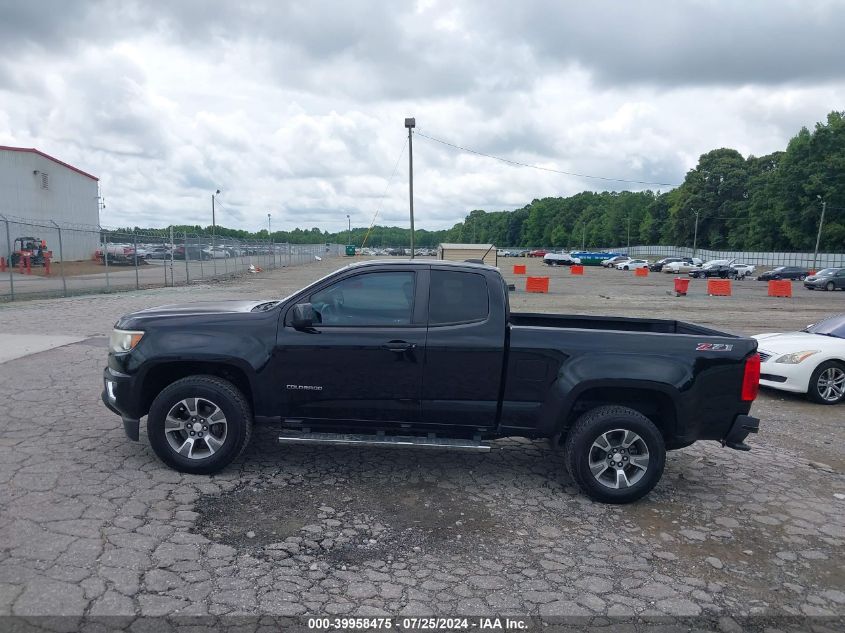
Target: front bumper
x=742 y=426
x=783 y=376
x=116 y=388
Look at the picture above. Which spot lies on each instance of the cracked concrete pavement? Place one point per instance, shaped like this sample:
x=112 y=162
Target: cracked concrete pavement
x=93 y=524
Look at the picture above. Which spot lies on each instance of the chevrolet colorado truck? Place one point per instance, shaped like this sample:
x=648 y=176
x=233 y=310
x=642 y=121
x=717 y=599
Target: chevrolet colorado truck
x=428 y=354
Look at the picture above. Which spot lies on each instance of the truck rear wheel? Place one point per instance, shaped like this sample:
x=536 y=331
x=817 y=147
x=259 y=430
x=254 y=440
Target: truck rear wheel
x=615 y=454
x=199 y=424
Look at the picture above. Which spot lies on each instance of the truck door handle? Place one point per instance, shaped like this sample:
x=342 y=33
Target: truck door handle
x=398 y=346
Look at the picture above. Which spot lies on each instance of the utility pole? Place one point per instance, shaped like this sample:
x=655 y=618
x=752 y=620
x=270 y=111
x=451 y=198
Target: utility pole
x=629 y=231
x=695 y=234
x=213 y=217
x=348 y=229
x=269 y=231
x=819 y=235
x=411 y=123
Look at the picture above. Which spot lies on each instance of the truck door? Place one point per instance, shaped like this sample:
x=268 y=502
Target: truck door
x=465 y=350
x=363 y=359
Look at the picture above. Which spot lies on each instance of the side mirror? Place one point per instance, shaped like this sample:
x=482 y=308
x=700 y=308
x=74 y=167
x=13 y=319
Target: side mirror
x=303 y=316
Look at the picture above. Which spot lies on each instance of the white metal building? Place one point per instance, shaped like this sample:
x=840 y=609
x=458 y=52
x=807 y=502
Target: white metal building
x=462 y=252
x=36 y=191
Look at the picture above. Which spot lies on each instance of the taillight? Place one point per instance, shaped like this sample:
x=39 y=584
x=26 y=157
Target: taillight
x=751 y=378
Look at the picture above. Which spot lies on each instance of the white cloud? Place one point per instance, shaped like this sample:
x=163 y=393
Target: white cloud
x=297 y=108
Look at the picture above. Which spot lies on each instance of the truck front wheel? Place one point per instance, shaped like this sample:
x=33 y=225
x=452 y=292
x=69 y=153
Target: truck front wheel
x=199 y=424
x=615 y=454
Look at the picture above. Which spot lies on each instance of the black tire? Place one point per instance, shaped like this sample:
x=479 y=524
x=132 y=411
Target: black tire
x=830 y=286
x=222 y=393
x=802 y=277
x=578 y=448
x=814 y=393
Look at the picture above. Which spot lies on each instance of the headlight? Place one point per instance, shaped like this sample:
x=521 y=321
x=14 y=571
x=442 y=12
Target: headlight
x=122 y=341
x=796 y=357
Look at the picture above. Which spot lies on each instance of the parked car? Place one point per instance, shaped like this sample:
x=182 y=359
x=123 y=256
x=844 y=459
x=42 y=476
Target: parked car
x=431 y=345
x=539 y=252
x=611 y=262
x=194 y=253
x=785 y=272
x=218 y=252
x=827 y=279
x=159 y=252
x=560 y=259
x=684 y=266
x=743 y=270
x=657 y=266
x=632 y=264
x=811 y=361
x=722 y=271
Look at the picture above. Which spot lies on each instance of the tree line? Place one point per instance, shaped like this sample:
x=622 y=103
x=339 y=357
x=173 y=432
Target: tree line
x=770 y=202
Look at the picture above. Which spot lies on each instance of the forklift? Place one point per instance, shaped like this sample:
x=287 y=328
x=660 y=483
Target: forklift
x=32 y=247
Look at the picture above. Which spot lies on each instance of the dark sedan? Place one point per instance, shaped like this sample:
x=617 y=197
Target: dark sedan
x=657 y=266
x=784 y=272
x=826 y=279
x=714 y=270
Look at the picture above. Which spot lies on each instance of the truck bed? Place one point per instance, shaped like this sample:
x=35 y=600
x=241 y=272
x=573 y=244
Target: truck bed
x=619 y=324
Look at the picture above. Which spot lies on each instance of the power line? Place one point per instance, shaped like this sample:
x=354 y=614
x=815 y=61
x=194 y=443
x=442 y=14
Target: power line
x=549 y=169
x=386 y=189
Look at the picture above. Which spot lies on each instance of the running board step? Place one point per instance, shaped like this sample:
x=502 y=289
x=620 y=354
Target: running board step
x=394 y=441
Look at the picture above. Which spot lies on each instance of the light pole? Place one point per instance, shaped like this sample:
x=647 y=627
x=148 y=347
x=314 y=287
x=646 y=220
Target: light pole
x=819 y=234
x=629 y=231
x=695 y=233
x=411 y=123
x=213 y=215
x=349 y=229
x=269 y=230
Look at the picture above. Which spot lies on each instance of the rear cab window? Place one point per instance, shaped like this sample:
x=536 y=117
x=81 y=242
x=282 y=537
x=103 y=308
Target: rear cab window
x=457 y=297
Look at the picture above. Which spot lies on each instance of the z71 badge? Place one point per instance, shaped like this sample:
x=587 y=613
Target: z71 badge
x=713 y=347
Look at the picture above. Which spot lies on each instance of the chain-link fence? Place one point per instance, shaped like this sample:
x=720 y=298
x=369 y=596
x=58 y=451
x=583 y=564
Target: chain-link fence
x=45 y=258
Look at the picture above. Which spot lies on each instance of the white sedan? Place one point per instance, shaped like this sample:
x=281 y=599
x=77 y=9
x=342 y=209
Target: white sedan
x=683 y=266
x=811 y=361
x=632 y=264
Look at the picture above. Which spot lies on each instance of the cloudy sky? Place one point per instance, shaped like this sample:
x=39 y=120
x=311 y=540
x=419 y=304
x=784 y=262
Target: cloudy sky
x=297 y=108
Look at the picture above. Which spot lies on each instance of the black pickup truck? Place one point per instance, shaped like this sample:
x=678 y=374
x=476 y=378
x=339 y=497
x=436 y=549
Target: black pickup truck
x=428 y=354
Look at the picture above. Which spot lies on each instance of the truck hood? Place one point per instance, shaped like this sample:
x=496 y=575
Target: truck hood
x=201 y=308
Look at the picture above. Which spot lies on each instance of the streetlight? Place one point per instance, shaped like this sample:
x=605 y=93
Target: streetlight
x=349 y=229
x=695 y=233
x=411 y=123
x=213 y=217
x=819 y=235
x=269 y=231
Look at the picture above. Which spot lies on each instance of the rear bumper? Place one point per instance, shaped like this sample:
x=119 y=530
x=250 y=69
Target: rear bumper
x=742 y=426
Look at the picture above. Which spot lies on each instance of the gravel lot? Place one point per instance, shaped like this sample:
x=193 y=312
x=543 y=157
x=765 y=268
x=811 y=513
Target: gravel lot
x=92 y=524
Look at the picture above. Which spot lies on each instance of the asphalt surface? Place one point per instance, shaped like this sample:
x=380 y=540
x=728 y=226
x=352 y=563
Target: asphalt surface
x=93 y=524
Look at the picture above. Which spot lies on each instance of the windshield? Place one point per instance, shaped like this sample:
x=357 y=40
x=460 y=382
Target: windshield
x=826 y=271
x=832 y=326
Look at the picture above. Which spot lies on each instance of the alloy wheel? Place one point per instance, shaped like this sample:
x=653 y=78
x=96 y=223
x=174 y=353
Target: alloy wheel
x=195 y=428
x=618 y=458
x=831 y=384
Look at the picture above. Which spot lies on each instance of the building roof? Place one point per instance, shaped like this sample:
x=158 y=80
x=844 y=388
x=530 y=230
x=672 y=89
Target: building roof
x=32 y=150
x=475 y=247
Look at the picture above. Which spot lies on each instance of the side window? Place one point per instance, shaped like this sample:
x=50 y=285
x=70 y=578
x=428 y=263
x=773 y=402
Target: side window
x=378 y=299
x=457 y=297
